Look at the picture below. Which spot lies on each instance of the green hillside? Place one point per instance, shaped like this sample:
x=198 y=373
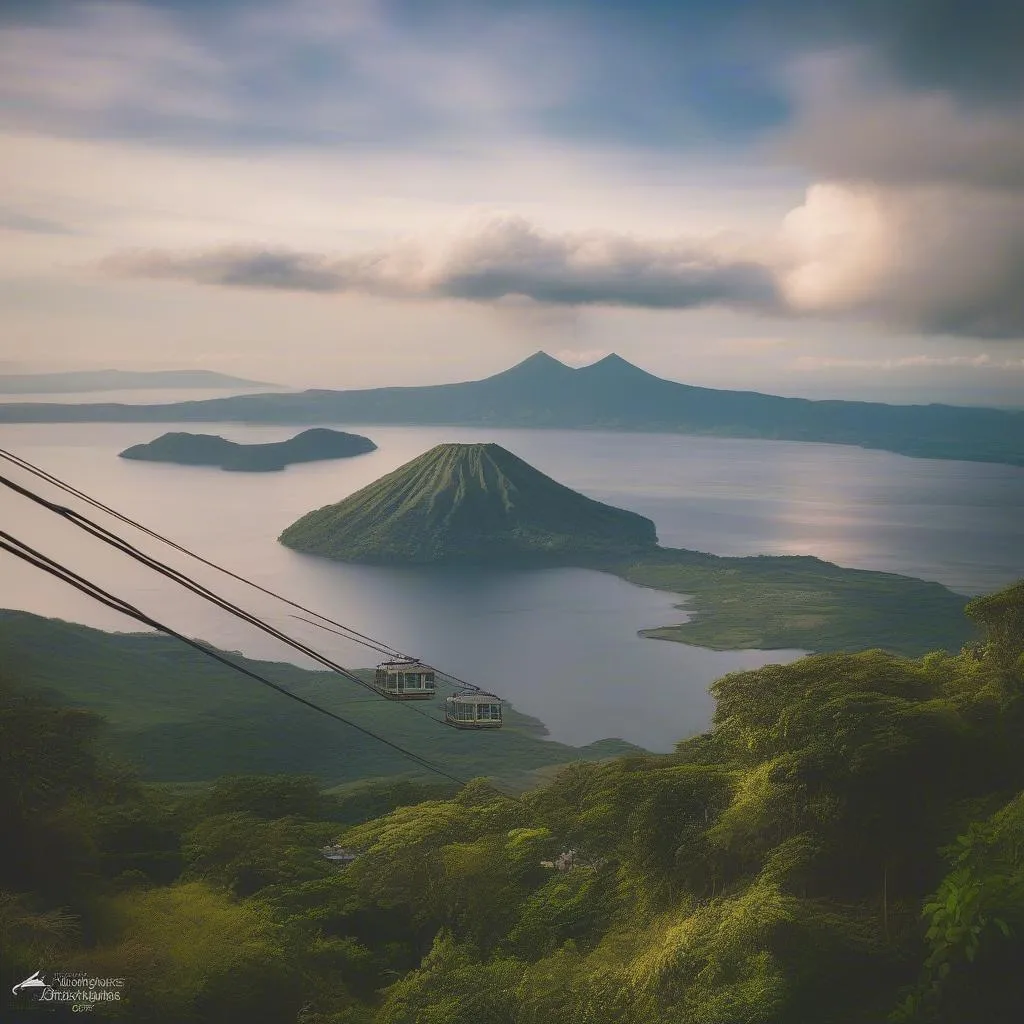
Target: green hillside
x=182 y=717
x=610 y=394
x=845 y=845
x=210 y=450
x=468 y=503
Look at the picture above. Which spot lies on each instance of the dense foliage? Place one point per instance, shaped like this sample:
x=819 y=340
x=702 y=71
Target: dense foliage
x=845 y=846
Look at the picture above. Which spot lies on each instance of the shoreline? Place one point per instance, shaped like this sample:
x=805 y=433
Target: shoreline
x=797 y=602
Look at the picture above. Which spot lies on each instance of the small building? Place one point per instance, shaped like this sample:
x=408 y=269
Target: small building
x=339 y=854
x=565 y=861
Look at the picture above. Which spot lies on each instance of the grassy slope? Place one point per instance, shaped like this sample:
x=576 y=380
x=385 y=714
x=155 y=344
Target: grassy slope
x=798 y=602
x=183 y=718
x=468 y=502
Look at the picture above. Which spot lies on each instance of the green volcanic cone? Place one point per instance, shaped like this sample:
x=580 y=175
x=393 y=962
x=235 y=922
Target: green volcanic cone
x=469 y=503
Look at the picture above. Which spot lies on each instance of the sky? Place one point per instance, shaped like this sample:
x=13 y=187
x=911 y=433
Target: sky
x=816 y=199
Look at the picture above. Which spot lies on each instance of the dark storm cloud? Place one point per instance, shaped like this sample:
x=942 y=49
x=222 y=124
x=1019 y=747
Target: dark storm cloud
x=504 y=259
x=275 y=270
x=849 y=123
x=972 y=48
x=931 y=265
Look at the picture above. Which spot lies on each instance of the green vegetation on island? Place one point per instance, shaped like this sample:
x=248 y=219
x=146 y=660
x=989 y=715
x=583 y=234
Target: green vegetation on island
x=480 y=504
x=610 y=394
x=797 y=602
x=210 y=450
x=181 y=717
x=475 y=503
x=844 y=846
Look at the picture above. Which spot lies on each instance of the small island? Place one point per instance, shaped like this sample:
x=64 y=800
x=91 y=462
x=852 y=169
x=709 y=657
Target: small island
x=210 y=450
x=479 y=504
x=471 y=504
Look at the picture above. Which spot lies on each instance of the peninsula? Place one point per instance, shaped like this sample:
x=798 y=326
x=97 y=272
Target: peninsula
x=611 y=394
x=480 y=504
x=211 y=450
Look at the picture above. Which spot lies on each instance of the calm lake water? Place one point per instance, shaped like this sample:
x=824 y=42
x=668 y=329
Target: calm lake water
x=560 y=644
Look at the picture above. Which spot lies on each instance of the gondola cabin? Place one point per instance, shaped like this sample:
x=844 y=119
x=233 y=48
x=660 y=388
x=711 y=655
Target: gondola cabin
x=473 y=711
x=404 y=680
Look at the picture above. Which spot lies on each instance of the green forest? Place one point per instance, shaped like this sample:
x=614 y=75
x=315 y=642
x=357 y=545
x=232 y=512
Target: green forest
x=845 y=845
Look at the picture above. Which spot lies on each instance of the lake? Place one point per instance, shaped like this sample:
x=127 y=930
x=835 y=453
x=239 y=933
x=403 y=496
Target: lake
x=561 y=644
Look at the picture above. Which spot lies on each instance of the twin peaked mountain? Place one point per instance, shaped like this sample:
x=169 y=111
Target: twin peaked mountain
x=469 y=503
x=611 y=394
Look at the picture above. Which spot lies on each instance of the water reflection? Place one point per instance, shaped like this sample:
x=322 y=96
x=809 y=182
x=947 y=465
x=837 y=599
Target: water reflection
x=560 y=643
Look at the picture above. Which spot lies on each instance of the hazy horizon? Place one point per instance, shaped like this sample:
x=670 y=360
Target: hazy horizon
x=828 y=206
x=1007 y=396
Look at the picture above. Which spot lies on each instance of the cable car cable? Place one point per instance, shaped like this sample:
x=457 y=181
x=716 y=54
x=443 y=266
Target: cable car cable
x=114 y=540
x=349 y=633
x=450 y=678
x=100 y=506
x=41 y=561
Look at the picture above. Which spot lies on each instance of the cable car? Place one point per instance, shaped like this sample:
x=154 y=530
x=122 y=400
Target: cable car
x=406 y=679
x=473 y=710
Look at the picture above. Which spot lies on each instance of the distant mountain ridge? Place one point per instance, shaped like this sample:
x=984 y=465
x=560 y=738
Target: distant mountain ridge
x=611 y=394
x=210 y=450
x=120 y=380
x=469 y=503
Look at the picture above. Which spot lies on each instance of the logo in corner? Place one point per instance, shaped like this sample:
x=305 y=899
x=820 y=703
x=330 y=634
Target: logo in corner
x=30 y=983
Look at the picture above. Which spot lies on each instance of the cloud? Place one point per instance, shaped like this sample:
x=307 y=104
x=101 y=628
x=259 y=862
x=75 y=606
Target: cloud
x=852 y=123
x=101 y=58
x=970 y=49
x=911 y=259
x=753 y=345
x=299 y=71
x=18 y=220
x=918 y=217
x=348 y=122
x=983 y=361
x=502 y=257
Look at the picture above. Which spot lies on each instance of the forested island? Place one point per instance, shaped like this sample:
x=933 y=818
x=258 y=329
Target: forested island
x=845 y=845
x=210 y=450
x=479 y=504
x=611 y=394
